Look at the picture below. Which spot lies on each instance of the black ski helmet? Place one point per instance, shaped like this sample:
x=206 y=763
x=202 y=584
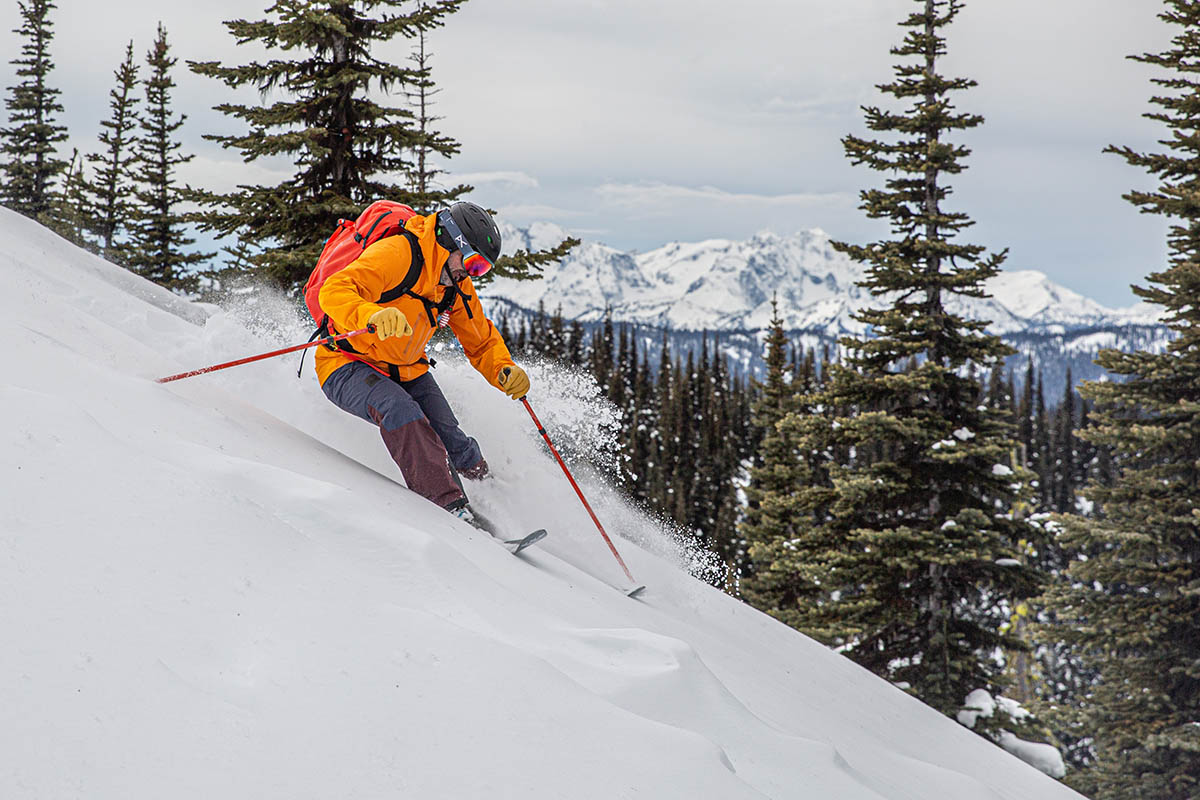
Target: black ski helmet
x=477 y=226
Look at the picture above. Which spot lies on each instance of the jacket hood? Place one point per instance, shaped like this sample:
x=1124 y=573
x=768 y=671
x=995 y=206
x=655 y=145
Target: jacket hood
x=425 y=227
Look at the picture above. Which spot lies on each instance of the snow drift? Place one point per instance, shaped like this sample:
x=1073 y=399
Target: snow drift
x=220 y=588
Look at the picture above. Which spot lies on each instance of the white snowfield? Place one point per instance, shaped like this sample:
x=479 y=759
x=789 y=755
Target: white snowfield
x=220 y=588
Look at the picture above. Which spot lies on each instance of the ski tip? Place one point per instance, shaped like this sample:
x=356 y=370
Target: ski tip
x=536 y=536
x=517 y=545
x=635 y=591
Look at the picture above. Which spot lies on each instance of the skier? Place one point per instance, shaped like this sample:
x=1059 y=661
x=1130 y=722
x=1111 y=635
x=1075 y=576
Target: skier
x=385 y=378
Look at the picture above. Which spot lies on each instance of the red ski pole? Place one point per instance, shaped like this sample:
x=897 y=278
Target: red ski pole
x=575 y=486
x=314 y=343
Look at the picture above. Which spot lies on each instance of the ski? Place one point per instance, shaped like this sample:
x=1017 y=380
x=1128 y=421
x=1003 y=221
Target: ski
x=514 y=545
x=517 y=545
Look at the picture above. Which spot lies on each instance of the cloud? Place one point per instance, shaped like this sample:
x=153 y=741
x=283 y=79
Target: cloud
x=511 y=179
x=225 y=174
x=535 y=212
x=811 y=106
x=644 y=197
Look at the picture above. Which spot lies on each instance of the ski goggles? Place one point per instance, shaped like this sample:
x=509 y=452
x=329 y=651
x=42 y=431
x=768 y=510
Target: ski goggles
x=475 y=263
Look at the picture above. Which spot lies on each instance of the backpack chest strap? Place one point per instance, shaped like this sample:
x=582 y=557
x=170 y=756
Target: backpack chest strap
x=435 y=310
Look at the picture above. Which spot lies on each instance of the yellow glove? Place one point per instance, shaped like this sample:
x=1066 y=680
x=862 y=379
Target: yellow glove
x=390 y=322
x=514 y=382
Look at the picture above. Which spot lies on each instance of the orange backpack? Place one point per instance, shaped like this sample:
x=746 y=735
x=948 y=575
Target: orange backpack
x=382 y=218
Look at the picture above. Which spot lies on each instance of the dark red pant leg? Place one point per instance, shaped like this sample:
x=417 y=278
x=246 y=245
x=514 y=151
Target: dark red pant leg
x=411 y=441
x=417 y=450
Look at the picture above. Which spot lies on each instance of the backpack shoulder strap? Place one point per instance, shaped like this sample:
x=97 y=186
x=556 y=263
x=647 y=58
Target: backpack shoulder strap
x=431 y=308
x=414 y=269
x=466 y=300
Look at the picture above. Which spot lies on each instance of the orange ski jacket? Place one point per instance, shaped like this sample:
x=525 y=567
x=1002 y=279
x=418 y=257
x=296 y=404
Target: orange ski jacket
x=351 y=296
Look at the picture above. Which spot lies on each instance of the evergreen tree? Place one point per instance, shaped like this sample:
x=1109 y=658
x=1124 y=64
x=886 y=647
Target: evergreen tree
x=556 y=336
x=997 y=396
x=575 y=344
x=158 y=241
x=1134 y=602
x=1011 y=391
x=70 y=214
x=723 y=444
x=682 y=464
x=1095 y=460
x=1025 y=417
x=324 y=120
x=771 y=522
x=110 y=190
x=1041 y=458
x=618 y=389
x=28 y=145
x=909 y=531
x=706 y=485
x=536 y=342
x=522 y=340
x=603 y=352
x=505 y=330
x=640 y=421
x=1063 y=444
x=428 y=143
x=1051 y=680
x=662 y=448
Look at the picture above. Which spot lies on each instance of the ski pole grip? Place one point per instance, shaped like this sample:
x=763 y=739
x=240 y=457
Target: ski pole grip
x=370 y=328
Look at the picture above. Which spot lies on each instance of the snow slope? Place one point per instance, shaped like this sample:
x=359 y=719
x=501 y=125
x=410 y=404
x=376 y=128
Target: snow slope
x=220 y=588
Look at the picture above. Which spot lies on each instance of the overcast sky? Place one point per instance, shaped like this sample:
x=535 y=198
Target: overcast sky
x=638 y=122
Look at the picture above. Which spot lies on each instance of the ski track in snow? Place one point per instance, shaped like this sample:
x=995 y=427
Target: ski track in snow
x=220 y=588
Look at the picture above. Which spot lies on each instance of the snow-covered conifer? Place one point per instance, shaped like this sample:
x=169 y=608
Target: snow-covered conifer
x=904 y=547
x=31 y=163
x=159 y=244
x=111 y=187
x=1133 y=604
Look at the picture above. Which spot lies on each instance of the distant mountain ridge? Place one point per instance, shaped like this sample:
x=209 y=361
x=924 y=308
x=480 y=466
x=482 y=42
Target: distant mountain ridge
x=724 y=287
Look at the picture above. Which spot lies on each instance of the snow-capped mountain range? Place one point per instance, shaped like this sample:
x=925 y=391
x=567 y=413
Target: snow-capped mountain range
x=723 y=288
x=725 y=285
